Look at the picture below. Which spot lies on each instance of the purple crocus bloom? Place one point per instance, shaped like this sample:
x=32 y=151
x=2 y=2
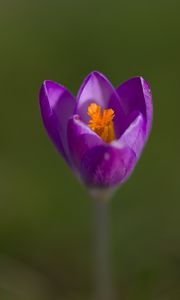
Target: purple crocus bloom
x=100 y=133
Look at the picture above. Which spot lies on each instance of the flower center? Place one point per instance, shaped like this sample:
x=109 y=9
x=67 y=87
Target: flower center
x=102 y=122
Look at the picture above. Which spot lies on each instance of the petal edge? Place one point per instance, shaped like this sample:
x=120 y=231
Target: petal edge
x=56 y=105
x=135 y=95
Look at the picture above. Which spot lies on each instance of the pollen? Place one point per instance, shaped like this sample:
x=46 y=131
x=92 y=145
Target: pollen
x=101 y=122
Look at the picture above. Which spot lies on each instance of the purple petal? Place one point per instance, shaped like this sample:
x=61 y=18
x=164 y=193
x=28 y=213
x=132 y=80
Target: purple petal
x=135 y=135
x=81 y=139
x=135 y=95
x=98 y=164
x=97 y=88
x=57 y=106
x=105 y=166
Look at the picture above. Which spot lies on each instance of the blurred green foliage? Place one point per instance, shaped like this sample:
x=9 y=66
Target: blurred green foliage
x=45 y=215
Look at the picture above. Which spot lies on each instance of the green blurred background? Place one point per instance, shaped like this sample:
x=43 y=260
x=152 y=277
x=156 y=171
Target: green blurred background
x=45 y=215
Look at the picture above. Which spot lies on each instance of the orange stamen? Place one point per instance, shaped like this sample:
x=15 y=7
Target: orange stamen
x=102 y=123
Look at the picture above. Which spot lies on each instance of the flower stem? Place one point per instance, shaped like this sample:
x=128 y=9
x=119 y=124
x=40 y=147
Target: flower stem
x=103 y=282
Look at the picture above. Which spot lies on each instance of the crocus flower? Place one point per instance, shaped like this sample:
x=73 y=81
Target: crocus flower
x=100 y=133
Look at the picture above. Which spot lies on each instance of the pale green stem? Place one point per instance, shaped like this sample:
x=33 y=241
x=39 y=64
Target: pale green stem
x=103 y=280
